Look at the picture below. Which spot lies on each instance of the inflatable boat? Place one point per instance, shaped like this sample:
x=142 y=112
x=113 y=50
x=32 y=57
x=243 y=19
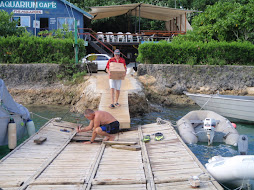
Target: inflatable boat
x=206 y=126
x=236 y=170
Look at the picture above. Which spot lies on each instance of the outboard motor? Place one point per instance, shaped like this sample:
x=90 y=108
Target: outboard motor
x=243 y=145
x=209 y=127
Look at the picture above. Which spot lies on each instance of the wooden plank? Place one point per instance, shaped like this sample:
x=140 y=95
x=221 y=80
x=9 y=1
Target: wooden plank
x=40 y=140
x=94 y=168
x=147 y=166
x=117 y=187
x=42 y=168
x=120 y=113
x=133 y=148
x=117 y=181
x=5 y=183
x=119 y=143
x=58 y=181
x=53 y=187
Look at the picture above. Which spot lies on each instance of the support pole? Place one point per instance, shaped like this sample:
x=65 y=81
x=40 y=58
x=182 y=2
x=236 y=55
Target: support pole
x=76 y=43
x=35 y=18
x=185 y=23
x=139 y=21
x=135 y=20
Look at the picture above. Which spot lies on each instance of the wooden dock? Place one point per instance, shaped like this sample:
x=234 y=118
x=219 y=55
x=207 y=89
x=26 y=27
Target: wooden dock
x=60 y=163
x=121 y=113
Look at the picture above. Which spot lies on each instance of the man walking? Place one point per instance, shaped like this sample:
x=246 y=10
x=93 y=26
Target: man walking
x=115 y=85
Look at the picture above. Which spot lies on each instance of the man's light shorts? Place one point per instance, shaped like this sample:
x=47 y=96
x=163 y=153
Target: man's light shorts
x=116 y=84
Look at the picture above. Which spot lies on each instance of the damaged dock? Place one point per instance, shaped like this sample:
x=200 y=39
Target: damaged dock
x=62 y=162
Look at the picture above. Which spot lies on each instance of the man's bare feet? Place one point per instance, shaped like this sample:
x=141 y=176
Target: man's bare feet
x=112 y=138
x=106 y=139
x=87 y=142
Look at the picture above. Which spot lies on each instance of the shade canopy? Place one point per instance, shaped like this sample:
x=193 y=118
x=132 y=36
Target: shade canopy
x=138 y=9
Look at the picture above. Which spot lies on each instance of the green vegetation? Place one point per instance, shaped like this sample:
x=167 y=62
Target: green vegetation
x=188 y=52
x=59 y=33
x=222 y=35
x=224 y=21
x=18 y=46
x=7 y=26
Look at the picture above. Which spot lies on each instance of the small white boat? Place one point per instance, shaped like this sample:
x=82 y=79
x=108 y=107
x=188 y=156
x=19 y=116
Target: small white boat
x=206 y=126
x=238 y=107
x=236 y=170
x=14 y=119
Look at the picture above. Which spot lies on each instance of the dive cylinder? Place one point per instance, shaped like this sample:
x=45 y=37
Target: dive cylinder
x=30 y=127
x=12 y=134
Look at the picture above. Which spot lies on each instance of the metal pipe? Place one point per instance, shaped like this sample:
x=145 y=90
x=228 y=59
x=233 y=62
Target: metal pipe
x=135 y=20
x=35 y=18
x=139 y=21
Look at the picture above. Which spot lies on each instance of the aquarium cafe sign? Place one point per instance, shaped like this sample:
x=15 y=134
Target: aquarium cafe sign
x=28 y=4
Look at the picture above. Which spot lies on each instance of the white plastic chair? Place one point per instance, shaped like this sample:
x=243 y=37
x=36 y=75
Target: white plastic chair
x=120 y=36
x=100 y=36
x=138 y=37
x=129 y=37
x=110 y=37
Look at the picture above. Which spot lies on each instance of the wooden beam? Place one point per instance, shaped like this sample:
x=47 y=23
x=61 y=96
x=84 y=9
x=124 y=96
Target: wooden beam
x=40 y=140
x=119 y=143
x=124 y=147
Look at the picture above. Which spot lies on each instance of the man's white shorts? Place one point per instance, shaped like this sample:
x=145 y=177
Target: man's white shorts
x=116 y=84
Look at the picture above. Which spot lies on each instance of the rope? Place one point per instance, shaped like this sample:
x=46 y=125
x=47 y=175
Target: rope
x=67 y=10
x=205 y=103
x=40 y=116
x=74 y=20
x=209 y=100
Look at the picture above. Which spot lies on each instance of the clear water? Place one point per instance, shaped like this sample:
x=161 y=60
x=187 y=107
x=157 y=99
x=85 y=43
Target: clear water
x=201 y=150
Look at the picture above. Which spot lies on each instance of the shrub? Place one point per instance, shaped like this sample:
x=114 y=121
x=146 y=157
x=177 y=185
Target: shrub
x=31 y=49
x=212 y=53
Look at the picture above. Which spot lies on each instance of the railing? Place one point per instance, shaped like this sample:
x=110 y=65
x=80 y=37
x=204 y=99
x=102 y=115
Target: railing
x=161 y=32
x=87 y=33
x=91 y=35
x=146 y=35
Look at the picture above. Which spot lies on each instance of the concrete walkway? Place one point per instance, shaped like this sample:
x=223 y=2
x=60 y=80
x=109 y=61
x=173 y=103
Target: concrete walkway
x=120 y=113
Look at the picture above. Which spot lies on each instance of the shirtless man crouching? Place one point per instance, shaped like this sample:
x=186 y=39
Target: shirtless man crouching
x=101 y=123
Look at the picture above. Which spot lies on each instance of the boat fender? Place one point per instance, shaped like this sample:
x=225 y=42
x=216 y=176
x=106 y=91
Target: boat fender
x=30 y=127
x=234 y=125
x=243 y=145
x=12 y=134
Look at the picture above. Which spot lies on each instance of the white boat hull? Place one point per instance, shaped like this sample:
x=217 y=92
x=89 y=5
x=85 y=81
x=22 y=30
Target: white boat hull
x=239 y=107
x=236 y=170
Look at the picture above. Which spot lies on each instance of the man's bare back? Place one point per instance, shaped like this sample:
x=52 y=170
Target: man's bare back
x=104 y=117
x=102 y=123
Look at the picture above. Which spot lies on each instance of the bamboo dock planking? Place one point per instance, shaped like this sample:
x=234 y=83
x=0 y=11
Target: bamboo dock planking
x=62 y=164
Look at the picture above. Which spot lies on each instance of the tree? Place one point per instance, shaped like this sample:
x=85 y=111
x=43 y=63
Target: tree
x=7 y=26
x=224 y=21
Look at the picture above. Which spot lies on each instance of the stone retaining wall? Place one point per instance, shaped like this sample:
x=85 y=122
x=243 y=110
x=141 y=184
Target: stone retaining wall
x=163 y=81
x=38 y=84
x=28 y=74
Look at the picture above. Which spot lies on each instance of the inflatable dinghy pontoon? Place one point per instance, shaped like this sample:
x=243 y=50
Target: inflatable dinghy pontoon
x=236 y=170
x=206 y=126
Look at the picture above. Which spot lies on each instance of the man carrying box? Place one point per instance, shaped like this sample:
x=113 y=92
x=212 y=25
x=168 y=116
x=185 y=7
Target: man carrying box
x=116 y=69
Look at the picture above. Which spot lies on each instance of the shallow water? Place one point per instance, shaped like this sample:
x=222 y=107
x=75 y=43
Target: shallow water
x=201 y=150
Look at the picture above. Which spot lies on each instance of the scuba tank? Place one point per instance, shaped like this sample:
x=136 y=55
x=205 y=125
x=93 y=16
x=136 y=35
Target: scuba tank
x=30 y=127
x=12 y=134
